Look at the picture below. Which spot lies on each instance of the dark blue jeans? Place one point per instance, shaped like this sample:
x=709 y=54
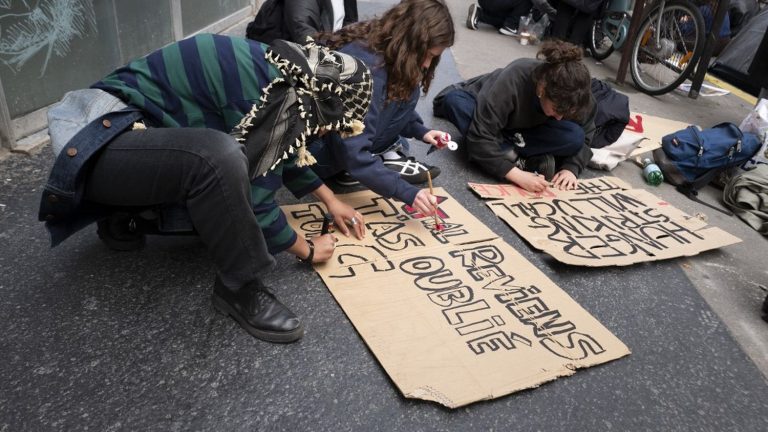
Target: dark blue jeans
x=204 y=169
x=329 y=164
x=560 y=138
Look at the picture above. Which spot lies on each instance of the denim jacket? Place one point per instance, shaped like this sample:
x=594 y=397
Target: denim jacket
x=61 y=205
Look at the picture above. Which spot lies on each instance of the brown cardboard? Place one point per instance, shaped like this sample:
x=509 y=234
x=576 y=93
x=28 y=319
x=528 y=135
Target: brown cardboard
x=587 y=186
x=605 y=227
x=454 y=317
x=653 y=128
x=393 y=228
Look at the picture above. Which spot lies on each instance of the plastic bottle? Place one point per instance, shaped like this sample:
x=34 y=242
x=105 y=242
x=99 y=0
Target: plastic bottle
x=652 y=172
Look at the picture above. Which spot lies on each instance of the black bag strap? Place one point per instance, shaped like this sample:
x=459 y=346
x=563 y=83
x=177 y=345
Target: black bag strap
x=693 y=195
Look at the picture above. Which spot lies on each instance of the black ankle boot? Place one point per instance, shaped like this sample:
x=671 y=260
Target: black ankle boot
x=258 y=311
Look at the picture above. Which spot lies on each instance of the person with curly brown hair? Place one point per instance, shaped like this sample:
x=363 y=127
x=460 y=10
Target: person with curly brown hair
x=402 y=49
x=530 y=122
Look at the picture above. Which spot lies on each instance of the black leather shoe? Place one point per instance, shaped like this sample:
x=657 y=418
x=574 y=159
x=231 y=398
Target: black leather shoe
x=258 y=311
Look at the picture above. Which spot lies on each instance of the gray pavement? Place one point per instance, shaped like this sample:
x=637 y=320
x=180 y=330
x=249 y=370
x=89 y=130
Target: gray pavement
x=99 y=340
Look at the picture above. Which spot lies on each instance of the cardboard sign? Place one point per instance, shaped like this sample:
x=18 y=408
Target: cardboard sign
x=585 y=187
x=603 y=223
x=455 y=316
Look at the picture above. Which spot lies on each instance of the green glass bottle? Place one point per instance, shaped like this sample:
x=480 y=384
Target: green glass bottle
x=652 y=173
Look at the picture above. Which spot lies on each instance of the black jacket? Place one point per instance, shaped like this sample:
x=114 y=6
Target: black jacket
x=612 y=114
x=294 y=20
x=499 y=95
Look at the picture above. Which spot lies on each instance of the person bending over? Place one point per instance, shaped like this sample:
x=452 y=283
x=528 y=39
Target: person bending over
x=402 y=49
x=530 y=122
x=192 y=124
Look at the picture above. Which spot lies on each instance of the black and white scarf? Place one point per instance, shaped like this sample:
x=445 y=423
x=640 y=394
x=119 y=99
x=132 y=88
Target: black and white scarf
x=318 y=89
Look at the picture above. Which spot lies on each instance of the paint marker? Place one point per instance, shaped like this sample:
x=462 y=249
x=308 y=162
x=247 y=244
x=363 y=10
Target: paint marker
x=327 y=221
x=438 y=226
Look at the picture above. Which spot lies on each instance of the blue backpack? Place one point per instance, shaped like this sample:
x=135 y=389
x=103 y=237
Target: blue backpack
x=690 y=159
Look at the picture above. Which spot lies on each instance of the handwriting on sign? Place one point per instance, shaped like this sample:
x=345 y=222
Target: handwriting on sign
x=585 y=187
x=473 y=317
x=459 y=302
x=603 y=226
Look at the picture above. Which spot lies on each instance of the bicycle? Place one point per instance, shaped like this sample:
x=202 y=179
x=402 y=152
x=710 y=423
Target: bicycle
x=669 y=42
x=610 y=29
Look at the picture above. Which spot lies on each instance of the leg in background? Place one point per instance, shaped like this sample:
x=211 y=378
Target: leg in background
x=457 y=106
x=559 y=138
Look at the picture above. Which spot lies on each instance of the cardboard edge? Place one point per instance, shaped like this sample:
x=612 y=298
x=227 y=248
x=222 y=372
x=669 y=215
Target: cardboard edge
x=429 y=394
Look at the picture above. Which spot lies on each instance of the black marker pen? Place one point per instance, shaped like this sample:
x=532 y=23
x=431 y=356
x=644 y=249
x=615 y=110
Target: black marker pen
x=327 y=221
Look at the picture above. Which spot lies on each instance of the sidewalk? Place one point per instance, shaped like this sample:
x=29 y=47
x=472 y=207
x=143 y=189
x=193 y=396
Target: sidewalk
x=100 y=340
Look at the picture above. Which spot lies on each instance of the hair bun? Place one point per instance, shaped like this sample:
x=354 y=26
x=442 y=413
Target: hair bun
x=557 y=52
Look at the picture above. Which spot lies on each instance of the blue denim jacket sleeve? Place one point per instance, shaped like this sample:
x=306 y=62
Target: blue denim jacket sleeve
x=61 y=203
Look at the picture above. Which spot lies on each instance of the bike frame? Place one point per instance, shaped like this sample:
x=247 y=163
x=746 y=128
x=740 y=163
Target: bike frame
x=657 y=33
x=616 y=21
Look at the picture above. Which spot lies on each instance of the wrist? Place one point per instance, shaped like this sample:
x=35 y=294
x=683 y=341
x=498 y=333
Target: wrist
x=324 y=194
x=311 y=254
x=513 y=174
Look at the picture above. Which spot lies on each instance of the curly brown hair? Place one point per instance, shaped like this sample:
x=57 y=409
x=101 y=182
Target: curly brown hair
x=565 y=78
x=402 y=36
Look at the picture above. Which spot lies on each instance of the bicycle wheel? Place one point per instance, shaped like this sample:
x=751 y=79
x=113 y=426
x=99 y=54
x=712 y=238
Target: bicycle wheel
x=600 y=45
x=666 y=51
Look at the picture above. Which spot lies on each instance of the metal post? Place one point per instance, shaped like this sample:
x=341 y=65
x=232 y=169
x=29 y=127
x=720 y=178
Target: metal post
x=176 y=23
x=709 y=47
x=7 y=139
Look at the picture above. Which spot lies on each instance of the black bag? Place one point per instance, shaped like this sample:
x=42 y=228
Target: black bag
x=690 y=159
x=268 y=24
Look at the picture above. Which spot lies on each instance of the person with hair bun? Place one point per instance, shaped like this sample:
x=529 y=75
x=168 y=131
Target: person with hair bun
x=402 y=48
x=530 y=122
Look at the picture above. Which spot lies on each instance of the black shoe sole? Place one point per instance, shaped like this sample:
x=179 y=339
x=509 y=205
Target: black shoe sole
x=347 y=183
x=129 y=242
x=225 y=309
x=549 y=169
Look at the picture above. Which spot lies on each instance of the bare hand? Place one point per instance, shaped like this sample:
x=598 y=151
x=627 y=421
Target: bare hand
x=565 y=179
x=425 y=203
x=431 y=137
x=325 y=245
x=528 y=181
x=344 y=216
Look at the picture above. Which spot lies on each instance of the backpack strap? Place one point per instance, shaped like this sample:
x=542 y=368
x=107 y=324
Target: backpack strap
x=689 y=190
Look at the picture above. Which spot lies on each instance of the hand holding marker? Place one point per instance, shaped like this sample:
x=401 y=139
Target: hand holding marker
x=438 y=225
x=442 y=142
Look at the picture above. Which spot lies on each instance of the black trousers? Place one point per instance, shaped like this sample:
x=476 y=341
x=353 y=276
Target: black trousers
x=204 y=169
x=572 y=25
x=503 y=13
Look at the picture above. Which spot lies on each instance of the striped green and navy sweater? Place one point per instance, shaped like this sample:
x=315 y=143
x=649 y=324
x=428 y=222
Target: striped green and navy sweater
x=212 y=81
